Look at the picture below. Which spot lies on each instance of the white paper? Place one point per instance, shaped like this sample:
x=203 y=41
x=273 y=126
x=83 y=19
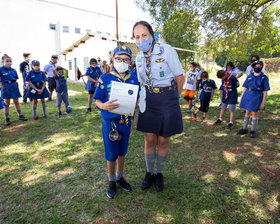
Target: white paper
x=126 y=94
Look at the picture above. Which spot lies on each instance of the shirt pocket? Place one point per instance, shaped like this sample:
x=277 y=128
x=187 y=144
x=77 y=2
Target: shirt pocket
x=160 y=70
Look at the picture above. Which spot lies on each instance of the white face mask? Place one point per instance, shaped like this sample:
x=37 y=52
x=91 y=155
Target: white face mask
x=36 y=68
x=8 y=64
x=121 y=67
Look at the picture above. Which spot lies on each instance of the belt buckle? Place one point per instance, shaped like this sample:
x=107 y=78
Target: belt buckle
x=9 y=81
x=38 y=83
x=156 y=90
x=121 y=121
x=250 y=89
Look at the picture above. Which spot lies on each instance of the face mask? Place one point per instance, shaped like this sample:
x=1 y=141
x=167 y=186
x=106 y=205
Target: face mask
x=8 y=64
x=121 y=67
x=145 y=45
x=36 y=68
x=253 y=61
x=93 y=66
x=257 y=70
x=28 y=59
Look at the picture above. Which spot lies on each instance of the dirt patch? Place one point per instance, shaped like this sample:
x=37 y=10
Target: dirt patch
x=18 y=129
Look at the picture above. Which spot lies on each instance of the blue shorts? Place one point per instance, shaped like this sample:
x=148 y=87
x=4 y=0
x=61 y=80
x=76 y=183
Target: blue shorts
x=117 y=148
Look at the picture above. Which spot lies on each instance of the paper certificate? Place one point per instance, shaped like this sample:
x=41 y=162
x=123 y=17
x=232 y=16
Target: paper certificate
x=126 y=94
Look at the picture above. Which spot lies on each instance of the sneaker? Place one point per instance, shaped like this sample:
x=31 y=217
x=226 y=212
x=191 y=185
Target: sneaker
x=253 y=134
x=88 y=110
x=22 y=118
x=148 y=180
x=218 y=121
x=24 y=101
x=112 y=189
x=67 y=112
x=49 y=99
x=7 y=121
x=59 y=113
x=242 y=131
x=159 y=182
x=124 y=185
x=189 y=111
x=36 y=117
x=194 y=116
x=230 y=126
x=204 y=120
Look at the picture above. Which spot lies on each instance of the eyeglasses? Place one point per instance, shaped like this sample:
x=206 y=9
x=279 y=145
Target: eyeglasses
x=125 y=60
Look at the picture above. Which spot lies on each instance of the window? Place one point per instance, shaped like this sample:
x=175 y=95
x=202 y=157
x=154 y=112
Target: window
x=77 y=30
x=108 y=34
x=88 y=31
x=86 y=63
x=98 y=33
x=124 y=37
x=132 y=38
x=66 y=29
x=52 y=26
x=70 y=64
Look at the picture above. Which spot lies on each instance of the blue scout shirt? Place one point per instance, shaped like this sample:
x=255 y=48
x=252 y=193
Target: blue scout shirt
x=24 y=68
x=257 y=83
x=95 y=74
x=103 y=90
x=7 y=75
x=61 y=84
x=207 y=88
x=37 y=78
x=165 y=66
x=232 y=90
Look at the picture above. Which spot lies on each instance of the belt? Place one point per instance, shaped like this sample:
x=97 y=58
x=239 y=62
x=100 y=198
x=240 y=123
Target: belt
x=37 y=83
x=160 y=89
x=257 y=90
x=9 y=81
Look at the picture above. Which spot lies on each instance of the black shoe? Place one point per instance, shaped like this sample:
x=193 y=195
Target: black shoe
x=35 y=117
x=67 y=112
x=7 y=121
x=112 y=189
x=230 y=126
x=148 y=180
x=124 y=185
x=242 y=131
x=24 y=101
x=159 y=182
x=59 y=113
x=49 y=99
x=253 y=134
x=218 y=121
x=22 y=118
x=88 y=110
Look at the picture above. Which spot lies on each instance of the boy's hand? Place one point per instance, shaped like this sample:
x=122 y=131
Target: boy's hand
x=40 y=91
x=132 y=128
x=261 y=106
x=110 y=105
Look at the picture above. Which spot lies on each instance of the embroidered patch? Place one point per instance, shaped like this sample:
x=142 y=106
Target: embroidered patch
x=130 y=92
x=102 y=87
x=100 y=80
x=159 y=60
x=109 y=86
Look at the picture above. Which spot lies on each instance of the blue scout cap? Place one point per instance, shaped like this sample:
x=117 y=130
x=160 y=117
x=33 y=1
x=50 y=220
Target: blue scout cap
x=257 y=62
x=35 y=62
x=123 y=50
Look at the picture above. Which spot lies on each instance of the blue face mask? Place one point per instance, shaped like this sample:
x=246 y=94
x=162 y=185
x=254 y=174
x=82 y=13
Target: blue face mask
x=145 y=45
x=257 y=70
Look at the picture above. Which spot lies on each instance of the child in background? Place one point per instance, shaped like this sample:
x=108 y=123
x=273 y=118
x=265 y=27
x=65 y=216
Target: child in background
x=208 y=87
x=2 y=104
x=199 y=69
x=61 y=75
x=24 y=68
x=192 y=81
x=93 y=74
x=37 y=80
x=10 y=90
x=253 y=97
x=229 y=96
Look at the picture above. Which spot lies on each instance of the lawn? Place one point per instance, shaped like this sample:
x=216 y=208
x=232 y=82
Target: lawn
x=53 y=170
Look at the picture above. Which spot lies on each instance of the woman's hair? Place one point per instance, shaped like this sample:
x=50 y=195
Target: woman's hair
x=221 y=74
x=230 y=64
x=146 y=24
x=204 y=75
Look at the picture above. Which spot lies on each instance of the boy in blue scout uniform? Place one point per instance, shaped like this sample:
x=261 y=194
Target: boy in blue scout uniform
x=10 y=90
x=37 y=81
x=253 y=97
x=60 y=75
x=24 y=69
x=228 y=90
x=93 y=74
x=115 y=149
x=208 y=87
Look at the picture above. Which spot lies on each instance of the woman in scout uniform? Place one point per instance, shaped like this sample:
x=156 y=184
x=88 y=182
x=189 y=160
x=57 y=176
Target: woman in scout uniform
x=161 y=76
x=253 y=97
x=37 y=81
x=115 y=125
x=93 y=73
x=10 y=90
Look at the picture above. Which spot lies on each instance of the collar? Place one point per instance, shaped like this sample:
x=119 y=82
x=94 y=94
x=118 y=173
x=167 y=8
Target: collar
x=115 y=73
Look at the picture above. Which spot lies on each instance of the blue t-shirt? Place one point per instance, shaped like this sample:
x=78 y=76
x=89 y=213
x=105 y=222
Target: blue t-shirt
x=24 y=69
x=61 y=84
x=104 y=86
x=7 y=75
x=232 y=90
x=37 y=78
x=258 y=83
x=207 y=88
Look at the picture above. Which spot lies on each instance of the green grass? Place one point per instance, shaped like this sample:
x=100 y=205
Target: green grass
x=53 y=170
